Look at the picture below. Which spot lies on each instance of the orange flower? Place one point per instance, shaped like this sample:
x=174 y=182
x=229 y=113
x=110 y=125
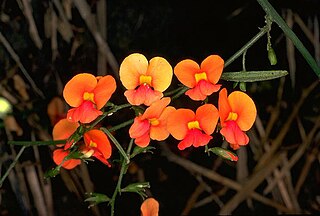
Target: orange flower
x=150 y=207
x=87 y=94
x=237 y=114
x=152 y=123
x=60 y=154
x=145 y=81
x=96 y=144
x=193 y=128
x=202 y=80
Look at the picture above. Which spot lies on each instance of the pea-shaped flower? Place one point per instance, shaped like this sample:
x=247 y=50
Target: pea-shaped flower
x=145 y=81
x=237 y=114
x=194 y=129
x=202 y=80
x=88 y=94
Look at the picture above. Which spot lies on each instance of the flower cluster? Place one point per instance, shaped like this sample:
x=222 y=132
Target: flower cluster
x=87 y=95
x=145 y=81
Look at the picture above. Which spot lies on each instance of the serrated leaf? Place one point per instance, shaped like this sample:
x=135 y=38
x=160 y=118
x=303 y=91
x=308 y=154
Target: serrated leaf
x=253 y=76
x=224 y=153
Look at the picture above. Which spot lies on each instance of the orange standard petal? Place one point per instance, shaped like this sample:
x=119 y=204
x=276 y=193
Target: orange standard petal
x=244 y=107
x=185 y=72
x=99 y=142
x=223 y=106
x=131 y=68
x=75 y=89
x=64 y=129
x=207 y=115
x=160 y=72
x=213 y=66
x=177 y=122
x=150 y=207
x=158 y=130
x=103 y=91
x=60 y=154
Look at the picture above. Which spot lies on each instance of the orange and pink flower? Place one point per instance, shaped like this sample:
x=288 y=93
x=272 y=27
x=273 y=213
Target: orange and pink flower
x=145 y=81
x=202 y=80
x=152 y=123
x=237 y=114
x=96 y=144
x=88 y=94
x=194 y=129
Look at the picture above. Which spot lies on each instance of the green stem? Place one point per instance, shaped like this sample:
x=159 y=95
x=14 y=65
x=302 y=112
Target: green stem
x=119 y=126
x=32 y=143
x=12 y=165
x=108 y=113
x=247 y=46
x=123 y=169
x=179 y=93
x=115 y=141
x=267 y=7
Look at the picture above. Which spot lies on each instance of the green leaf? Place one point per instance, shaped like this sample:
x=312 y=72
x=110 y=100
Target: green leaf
x=253 y=76
x=243 y=86
x=96 y=198
x=139 y=188
x=138 y=150
x=224 y=153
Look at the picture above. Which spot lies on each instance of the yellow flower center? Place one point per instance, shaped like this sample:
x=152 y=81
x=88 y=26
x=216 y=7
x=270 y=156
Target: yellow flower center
x=144 y=79
x=232 y=116
x=88 y=96
x=92 y=144
x=154 y=121
x=194 y=124
x=200 y=76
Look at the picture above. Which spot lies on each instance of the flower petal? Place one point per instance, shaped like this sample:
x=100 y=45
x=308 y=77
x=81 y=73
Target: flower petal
x=244 y=106
x=161 y=72
x=160 y=132
x=142 y=141
x=149 y=207
x=202 y=90
x=143 y=95
x=156 y=108
x=64 y=129
x=213 y=66
x=234 y=135
x=177 y=123
x=85 y=113
x=185 y=72
x=207 y=116
x=101 y=140
x=77 y=86
x=139 y=127
x=199 y=138
x=223 y=106
x=105 y=88
x=131 y=68
x=60 y=154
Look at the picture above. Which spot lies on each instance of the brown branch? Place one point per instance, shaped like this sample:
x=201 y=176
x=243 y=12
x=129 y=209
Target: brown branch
x=103 y=46
x=275 y=144
x=211 y=174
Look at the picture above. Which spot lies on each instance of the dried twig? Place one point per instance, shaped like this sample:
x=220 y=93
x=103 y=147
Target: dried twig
x=210 y=174
x=27 y=11
x=16 y=58
x=103 y=46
